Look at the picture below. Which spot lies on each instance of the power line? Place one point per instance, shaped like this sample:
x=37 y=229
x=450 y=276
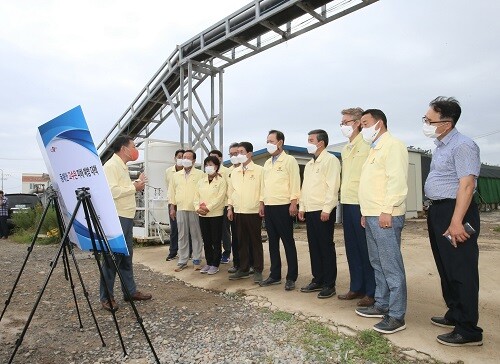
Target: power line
x=486 y=134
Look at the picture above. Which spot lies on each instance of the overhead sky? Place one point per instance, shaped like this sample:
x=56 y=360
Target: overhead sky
x=393 y=55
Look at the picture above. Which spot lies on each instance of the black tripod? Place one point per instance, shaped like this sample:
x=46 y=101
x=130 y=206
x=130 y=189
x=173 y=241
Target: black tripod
x=96 y=232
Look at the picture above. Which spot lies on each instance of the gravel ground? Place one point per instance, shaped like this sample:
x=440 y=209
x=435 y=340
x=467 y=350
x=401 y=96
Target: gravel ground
x=185 y=324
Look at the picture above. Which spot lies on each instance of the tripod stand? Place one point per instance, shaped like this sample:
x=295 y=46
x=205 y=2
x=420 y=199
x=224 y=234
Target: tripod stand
x=96 y=232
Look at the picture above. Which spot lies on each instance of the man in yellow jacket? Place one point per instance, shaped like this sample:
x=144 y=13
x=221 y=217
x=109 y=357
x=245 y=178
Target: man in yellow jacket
x=182 y=188
x=123 y=191
x=382 y=194
x=318 y=200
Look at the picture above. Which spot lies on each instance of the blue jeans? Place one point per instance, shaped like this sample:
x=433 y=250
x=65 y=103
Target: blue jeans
x=123 y=262
x=384 y=250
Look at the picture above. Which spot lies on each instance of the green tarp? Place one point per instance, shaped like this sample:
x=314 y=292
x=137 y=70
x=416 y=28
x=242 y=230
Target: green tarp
x=489 y=190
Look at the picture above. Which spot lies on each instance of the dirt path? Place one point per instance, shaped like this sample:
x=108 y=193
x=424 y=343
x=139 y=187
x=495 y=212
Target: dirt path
x=424 y=292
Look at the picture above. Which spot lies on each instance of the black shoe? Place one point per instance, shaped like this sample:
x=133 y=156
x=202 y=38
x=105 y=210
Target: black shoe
x=232 y=269
x=269 y=282
x=389 y=325
x=171 y=257
x=327 y=292
x=312 y=287
x=372 y=311
x=442 y=322
x=455 y=339
x=289 y=285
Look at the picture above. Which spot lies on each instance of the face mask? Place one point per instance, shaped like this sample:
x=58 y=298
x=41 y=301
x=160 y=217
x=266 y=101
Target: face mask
x=271 y=148
x=311 y=148
x=369 y=134
x=346 y=130
x=133 y=153
x=242 y=158
x=187 y=163
x=234 y=159
x=178 y=162
x=209 y=170
x=430 y=131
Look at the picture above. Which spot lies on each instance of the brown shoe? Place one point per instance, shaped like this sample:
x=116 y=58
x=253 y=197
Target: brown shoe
x=350 y=295
x=366 y=301
x=113 y=307
x=139 y=296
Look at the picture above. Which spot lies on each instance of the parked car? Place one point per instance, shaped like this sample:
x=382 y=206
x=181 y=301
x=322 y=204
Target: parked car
x=19 y=203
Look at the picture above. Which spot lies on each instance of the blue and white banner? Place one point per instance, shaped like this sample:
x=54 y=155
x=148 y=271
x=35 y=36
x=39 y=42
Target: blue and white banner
x=72 y=161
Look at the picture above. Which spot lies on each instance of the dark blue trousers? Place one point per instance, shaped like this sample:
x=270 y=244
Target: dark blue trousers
x=322 y=248
x=279 y=225
x=360 y=269
x=174 y=236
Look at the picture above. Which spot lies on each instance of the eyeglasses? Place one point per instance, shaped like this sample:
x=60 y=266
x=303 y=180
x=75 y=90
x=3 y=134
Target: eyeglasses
x=427 y=121
x=347 y=121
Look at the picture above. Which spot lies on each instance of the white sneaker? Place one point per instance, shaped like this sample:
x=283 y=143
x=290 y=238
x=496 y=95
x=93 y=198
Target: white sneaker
x=213 y=270
x=205 y=269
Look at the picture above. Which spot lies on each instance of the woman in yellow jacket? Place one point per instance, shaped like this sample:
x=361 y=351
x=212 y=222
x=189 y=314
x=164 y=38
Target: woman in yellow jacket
x=209 y=200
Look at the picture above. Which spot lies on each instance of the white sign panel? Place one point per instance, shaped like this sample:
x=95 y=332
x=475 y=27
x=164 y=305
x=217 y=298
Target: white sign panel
x=72 y=161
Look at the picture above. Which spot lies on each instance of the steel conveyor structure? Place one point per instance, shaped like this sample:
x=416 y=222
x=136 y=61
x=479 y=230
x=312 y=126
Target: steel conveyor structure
x=172 y=91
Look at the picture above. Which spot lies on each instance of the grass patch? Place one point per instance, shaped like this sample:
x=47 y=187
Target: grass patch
x=497 y=229
x=281 y=316
x=27 y=222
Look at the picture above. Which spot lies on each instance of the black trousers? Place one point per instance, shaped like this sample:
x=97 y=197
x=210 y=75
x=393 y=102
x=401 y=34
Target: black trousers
x=248 y=229
x=4 y=229
x=211 y=233
x=322 y=248
x=457 y=267
x=279 y=225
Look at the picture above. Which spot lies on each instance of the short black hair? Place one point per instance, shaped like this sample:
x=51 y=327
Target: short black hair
x=216 y=152
x=234 y=145
x=213 y=159
x=447 y=107
x=321 y=135
x=1 y=192
x=377 y=115
x=121 y=141
x=247 y=145
x=279 y=135
x=191 y=151
x=179 y=151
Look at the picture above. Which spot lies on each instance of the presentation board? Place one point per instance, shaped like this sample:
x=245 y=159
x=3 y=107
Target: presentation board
x=72 y=162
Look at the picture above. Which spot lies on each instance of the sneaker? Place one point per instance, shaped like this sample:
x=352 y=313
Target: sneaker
x=224 y=260
x=455 y=339
x=327 y=292
x=289 y=285
x=257 y=277
x=251 y=270
x=442 y=322
x=372 y=311
x=239 y=275
x=170 y=257
x=205 y=269
x=213 y=270
x=232 y=270
x=180 y=266
x=269 y=281
x=389 y=325
x=311 y=287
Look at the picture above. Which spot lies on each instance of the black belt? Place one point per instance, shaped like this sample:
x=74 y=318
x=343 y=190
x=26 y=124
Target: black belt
x=437 y=202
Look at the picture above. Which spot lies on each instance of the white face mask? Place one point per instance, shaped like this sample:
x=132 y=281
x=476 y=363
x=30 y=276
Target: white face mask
x=271 y=148
x=370 y=134
x=178 y=162
x=430 y=131
x=234 y=159
x=311 y=148
x=209 y=170
x=187 y=163
x=242 y=158
x=346 y=130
